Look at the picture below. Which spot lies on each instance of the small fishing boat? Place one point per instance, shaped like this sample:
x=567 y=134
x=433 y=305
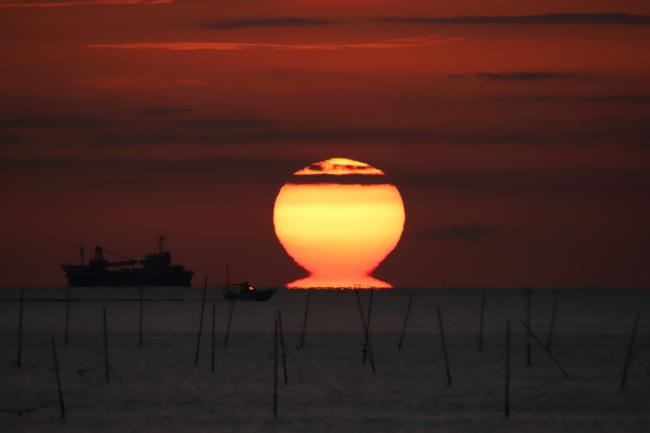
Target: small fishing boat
x=246 y=292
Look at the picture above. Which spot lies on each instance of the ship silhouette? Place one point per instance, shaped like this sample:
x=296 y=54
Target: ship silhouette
x=154 y=270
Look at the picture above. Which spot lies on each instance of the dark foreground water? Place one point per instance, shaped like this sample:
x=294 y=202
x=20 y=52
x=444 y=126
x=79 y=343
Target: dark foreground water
x=157 y=387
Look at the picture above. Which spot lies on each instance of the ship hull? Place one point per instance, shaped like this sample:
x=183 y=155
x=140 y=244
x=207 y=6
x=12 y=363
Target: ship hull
x=246 y=295
x=82 y=276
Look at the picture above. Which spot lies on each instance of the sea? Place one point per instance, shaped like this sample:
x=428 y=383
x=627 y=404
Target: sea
x=165 y=360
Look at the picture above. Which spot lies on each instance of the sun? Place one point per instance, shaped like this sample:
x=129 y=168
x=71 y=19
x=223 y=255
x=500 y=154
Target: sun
x=339 y=219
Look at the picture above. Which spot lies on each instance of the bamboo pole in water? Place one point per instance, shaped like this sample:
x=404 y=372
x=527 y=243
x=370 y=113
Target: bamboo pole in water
x=444 y=345
x=630 y=351
x=481 y=320
x=301 y=344
x=106 y=366
x=212 y=351
x=282 y=346
x=227 y=336
x=550 y=355
x=275 y=368
x=58 y=379
x=140 y=336
x=365 y=332
x=200 y=330
x=19 y=357
x=67 y=319
x=528 y=354
x=551 y=329
x=365 y=343
x=406 y=319
x=507 y=387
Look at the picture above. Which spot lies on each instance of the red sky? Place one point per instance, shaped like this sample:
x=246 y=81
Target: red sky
x=520 y=140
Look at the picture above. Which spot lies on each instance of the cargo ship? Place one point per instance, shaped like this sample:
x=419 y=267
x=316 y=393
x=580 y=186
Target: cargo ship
x=154 y=270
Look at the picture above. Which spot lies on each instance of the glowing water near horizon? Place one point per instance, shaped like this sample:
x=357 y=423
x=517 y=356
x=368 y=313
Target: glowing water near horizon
x=339 y=232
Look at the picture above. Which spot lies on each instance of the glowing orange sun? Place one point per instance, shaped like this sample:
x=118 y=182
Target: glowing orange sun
x=339 y=219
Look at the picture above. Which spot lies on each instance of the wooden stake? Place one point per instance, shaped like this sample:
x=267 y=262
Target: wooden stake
x=406 y=319
x=67 y=319
x=481 y=319
x=444 y=345
x=507 y=393
x=630 y=351
x=365 y=343
x=106 y=367
x=213 y=339
x=365 y=332
x=528 y=360
x=58 y=379
x=282 y=346
x=200 y=330
x=141 y=316
x=550 y=355
x=301 y=344
x=20 y=328
x=275 y=368
x=551 y=329
x=232 y=307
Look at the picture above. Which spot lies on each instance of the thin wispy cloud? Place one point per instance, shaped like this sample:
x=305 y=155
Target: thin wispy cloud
x=526 y=75
x=50 y=121
x=267 y=22
x=640 y=98
x=10 y=140
x=464 y=232
x=419 y=42
x=165 y=111
x=578 y=18
x=250 y=131
x=222 y=122
x=12 y=4
x=522 y=76
x=138 y=83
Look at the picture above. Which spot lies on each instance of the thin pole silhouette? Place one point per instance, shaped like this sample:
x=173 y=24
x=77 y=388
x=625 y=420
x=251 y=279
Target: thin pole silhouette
x=444 y=344
x=58 y=379
x=282 y=346
x=140 y=336
x=106 y=366
x=481 y=319
x=301 y=344
x=20 y=328
x=200 y=330
x=67 y=319
x=365 y=332
x=365 y=343
x=212 y=357
x=550 y=355
x=507 y=390
x=275 y=368
x=406 y=319
x=528 y=354
x=551 y=328
x=630 y=351
x=225 y=339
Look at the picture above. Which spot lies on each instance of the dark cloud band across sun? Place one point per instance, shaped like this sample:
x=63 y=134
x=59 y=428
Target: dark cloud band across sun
x=537 y=19
x=267 y=22
x=418 y=42
x=15 y=4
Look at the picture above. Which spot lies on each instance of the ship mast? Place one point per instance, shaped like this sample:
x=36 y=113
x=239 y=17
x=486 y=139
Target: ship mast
x=162 y=238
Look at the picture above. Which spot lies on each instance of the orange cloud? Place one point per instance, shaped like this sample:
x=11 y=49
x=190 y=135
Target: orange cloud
x=418 y=42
